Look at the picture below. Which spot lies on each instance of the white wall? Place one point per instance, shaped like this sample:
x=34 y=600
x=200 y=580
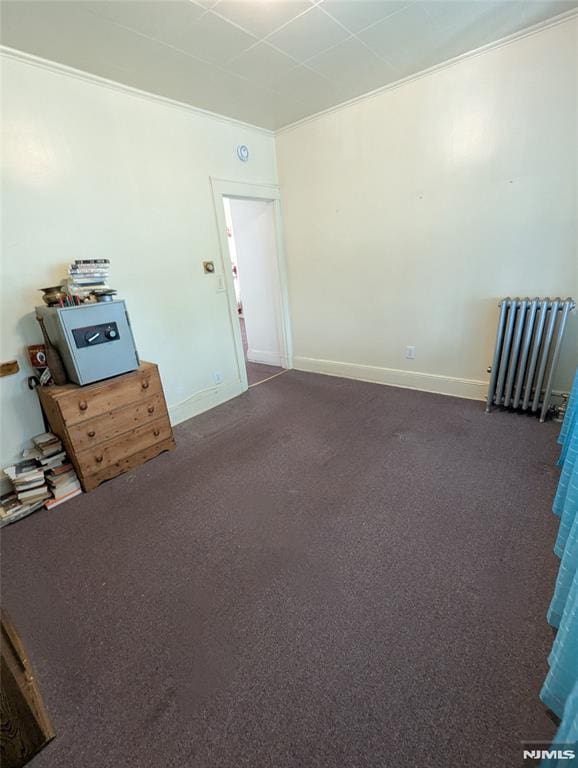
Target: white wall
x=254 y=232
x=408 y=214
x=93 y=171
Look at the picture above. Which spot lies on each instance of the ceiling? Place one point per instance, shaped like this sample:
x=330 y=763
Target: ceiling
x=266 y=62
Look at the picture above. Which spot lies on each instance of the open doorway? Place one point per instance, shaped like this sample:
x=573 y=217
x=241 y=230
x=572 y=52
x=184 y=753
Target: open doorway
x=253 y=259
x=251 y=241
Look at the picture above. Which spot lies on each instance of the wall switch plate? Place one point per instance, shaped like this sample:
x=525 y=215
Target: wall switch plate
x=218 y=377
x=220 y=284
x=410 y=352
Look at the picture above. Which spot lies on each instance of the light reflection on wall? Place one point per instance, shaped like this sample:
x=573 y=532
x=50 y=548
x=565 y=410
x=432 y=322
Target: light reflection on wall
x=472 y=137
x=27 y=158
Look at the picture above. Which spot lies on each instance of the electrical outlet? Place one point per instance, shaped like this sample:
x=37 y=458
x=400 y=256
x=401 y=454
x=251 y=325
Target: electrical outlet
x=410 y=352
x=218 y=377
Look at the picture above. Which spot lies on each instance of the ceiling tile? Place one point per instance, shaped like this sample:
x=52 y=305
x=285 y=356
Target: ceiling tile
x=450 y=12
x=539 y=10
x=70 y=35
x=308 y=89
x=477 y=22
x=397 y=31
x=183 y=78
x=358 y=14
x=351 y=65
x=166 y=20
x=308 y=35
x=434 y=47
x=285 y=112
x=243 y=100
x=298 y=80
x=213 y=39
x=79 y=39
x=455 y=34
x=261 y=18
x=452 y=32
x=176 y=49
x=261 y=64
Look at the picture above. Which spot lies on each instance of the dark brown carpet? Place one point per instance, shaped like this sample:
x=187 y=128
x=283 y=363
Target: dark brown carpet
x=325 y=573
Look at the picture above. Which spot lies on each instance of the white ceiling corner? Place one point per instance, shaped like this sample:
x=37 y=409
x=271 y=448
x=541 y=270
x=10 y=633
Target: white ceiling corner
x=265 y=62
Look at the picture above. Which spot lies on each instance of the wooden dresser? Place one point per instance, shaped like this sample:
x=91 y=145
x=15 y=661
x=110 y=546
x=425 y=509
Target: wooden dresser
x=109 y=427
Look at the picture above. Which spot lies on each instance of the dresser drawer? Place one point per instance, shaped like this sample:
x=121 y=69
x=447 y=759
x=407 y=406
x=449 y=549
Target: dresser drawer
x=77 y=406
x=114 y=424
x=104 y=455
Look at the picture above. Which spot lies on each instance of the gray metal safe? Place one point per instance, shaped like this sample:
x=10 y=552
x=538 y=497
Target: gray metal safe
x=95 y=341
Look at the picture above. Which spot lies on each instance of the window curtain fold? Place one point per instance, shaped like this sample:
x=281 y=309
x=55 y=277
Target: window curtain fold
x=570 y=420
x=560 y=690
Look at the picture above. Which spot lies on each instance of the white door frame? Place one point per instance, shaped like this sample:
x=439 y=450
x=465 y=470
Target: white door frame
x=270 y=193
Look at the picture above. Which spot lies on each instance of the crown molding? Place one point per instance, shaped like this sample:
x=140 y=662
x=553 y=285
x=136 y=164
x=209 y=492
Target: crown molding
x=63 y=69
x=482 y=50
x=103 y=82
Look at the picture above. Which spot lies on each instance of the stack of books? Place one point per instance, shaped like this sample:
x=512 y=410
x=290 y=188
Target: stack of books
x=43 y=478
x=86 y=276
x=47 y=450
x=64 y=484
x=28 y=482
x=12 y=509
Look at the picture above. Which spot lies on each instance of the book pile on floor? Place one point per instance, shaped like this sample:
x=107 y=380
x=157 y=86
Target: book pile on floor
x=47 y=450
x=64 y=484
x=86 y=276
x=44 y=478
x=29 y=491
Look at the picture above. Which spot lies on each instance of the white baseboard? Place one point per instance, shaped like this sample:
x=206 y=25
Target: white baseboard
x=472 y=389
x=263 y=357
x=204 y=401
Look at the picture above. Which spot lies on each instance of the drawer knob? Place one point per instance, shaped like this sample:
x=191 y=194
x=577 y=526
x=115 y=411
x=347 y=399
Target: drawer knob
x=151 y=409
x=83 y=405
x=98 y=459
x=145 y=384
x=92 y=433
x=156 y=432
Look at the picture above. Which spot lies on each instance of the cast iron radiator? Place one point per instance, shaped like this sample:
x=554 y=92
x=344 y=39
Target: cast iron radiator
x=528 y=343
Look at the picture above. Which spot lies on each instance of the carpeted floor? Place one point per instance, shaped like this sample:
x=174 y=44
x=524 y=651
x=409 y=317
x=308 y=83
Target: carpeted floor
x=324 y=574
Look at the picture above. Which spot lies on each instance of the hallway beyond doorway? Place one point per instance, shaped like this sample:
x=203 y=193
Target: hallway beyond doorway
x=256 y=372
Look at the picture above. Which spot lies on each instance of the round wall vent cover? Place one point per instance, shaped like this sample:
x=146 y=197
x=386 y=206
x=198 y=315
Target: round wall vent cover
x=243 y=153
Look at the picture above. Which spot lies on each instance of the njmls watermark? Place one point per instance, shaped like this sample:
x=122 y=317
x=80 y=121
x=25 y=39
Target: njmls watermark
x=534 y=752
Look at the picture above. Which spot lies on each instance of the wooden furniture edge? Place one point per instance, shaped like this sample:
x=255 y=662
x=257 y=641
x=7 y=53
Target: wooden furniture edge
x=61 y=390
x=90 y=482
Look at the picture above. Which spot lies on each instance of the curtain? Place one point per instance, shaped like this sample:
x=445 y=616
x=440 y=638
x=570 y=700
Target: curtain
x=569 y=420
x=560 y=690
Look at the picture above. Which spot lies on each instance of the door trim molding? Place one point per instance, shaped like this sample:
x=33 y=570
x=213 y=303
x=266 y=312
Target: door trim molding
x=222 y=188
